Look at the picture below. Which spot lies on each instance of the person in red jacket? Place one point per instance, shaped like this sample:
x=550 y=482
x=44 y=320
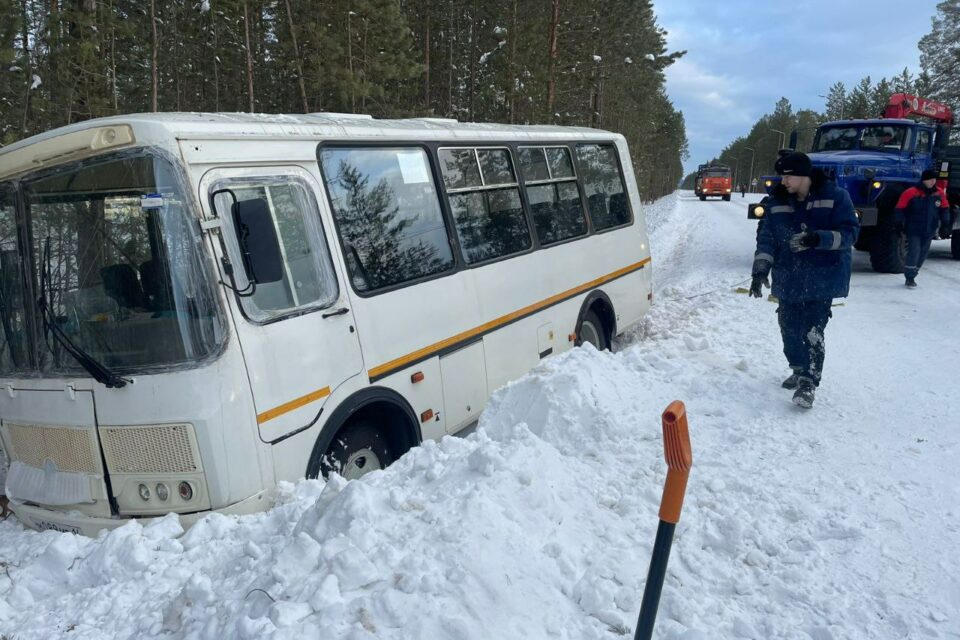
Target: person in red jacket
x=920 y=212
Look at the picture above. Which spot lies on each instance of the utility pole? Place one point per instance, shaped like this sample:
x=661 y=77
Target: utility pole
x=781 y=139
x=750 y=178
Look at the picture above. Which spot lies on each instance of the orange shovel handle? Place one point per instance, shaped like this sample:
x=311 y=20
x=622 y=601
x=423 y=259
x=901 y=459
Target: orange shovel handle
x=676 y=448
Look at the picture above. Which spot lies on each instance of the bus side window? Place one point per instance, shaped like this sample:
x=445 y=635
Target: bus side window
x=552 y=192
x=603 y=184
x=308 y=279
x=388 y=214
x=485 y=201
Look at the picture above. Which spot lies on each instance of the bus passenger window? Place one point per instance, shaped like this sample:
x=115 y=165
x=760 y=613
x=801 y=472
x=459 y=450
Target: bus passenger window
x=486 y=206
x=552 y=193
x=308 y=277
x=388 y=214
x=603 y=185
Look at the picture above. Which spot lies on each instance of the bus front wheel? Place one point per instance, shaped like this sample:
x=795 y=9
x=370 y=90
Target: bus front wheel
x=357 y=450
x=591 y=330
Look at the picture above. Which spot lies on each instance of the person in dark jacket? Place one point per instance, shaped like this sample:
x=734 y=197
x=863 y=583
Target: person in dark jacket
x=806 y=240
x=921 y=212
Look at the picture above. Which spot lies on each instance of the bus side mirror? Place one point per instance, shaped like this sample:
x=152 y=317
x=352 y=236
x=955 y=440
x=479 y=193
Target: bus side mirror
x=793 y=139
x=257 y=237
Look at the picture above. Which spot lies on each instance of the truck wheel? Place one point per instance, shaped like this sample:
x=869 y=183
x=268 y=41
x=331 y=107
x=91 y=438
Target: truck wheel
x=726 y=198
x=889 y=248
x=702 y=198
x=864 y=240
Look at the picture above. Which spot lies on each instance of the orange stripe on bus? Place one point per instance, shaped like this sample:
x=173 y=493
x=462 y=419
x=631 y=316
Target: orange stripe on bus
x=287 y=407
x=438 y=346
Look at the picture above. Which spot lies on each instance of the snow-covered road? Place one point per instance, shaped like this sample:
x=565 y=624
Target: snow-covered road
x=835 y=523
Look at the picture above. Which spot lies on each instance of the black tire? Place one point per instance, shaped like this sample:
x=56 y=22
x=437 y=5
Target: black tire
x=702 y=198
x=591 y=330
x=357 y=449
x=889 y=248
x=864 y=240
x=726 y=198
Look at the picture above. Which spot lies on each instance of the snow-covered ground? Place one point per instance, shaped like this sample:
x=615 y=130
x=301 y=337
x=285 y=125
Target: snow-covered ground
x=835 y=523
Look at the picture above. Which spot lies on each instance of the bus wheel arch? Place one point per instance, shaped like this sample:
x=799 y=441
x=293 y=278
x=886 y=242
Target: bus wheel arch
x=375 y=420
x=597 y=307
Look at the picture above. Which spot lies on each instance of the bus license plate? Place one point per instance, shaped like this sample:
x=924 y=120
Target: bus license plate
x=43 y=525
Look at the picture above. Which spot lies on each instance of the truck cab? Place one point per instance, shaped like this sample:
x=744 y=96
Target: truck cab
x=876 y=159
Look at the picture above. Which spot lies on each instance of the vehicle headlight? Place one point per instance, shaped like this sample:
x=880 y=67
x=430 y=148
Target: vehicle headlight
x=758 y=212
x=877 y=184
x=768 y=183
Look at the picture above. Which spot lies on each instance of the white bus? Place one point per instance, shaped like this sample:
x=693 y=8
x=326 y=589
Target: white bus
x=197 y=306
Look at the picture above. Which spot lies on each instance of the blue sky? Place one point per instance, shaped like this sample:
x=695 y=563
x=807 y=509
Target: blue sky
x=742 y=56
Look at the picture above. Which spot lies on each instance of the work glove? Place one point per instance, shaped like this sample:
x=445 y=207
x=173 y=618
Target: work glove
x=757 y=284
x=803 y=241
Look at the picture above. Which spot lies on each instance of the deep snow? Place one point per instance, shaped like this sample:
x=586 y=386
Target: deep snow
x=839 y=522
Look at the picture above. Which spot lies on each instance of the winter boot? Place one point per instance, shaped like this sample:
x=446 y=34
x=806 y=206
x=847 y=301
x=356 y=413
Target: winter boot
x=803 y=396
x=911 y=283
x=792 y=382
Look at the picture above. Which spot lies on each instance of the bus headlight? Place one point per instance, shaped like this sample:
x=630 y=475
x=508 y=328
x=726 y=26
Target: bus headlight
x=155 y=468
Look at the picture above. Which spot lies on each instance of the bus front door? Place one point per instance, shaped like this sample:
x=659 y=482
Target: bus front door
x=298 y=335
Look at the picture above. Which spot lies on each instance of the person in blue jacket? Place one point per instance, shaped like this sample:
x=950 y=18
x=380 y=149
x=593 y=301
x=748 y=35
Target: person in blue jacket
x=921 y=212
x=806 y=241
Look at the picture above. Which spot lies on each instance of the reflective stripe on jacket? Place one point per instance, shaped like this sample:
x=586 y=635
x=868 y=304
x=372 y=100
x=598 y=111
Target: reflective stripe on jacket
x=813 y=274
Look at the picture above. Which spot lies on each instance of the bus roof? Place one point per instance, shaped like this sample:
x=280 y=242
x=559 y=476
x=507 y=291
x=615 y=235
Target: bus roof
x=151 y=128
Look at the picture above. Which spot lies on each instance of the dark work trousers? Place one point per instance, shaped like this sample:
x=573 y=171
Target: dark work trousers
x=801 y=326
x=917 y=249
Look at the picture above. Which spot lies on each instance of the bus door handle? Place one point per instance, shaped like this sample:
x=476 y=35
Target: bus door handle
x=335 y=312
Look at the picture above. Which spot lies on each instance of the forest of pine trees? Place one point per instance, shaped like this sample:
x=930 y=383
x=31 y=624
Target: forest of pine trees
x=598 y=64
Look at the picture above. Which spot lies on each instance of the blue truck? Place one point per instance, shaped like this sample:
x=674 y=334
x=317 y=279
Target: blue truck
x=876 y=159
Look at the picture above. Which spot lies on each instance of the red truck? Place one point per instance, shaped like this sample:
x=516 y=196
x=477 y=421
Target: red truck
x=713 y=180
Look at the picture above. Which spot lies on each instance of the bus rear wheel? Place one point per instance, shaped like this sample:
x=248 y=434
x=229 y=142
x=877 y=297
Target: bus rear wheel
x=357 y=450
x=591 y=330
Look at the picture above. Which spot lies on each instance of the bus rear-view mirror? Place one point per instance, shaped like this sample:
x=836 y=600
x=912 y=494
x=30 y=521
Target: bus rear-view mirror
x=257 y=237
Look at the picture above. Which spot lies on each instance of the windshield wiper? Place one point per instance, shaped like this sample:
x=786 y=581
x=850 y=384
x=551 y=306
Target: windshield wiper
x=100 y=373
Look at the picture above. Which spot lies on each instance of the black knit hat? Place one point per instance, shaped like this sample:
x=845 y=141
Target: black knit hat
x=794 y=164
x=929 y=174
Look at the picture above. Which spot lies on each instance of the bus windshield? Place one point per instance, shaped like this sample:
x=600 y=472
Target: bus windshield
x=116 y=257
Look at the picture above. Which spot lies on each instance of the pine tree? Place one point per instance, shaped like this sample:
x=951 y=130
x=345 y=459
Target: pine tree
x=879 y=96
x=940 y=53
x=858 y=105
x=836 y=107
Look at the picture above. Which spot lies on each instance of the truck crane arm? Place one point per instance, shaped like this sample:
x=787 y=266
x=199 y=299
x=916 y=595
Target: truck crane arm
x=902 y=105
